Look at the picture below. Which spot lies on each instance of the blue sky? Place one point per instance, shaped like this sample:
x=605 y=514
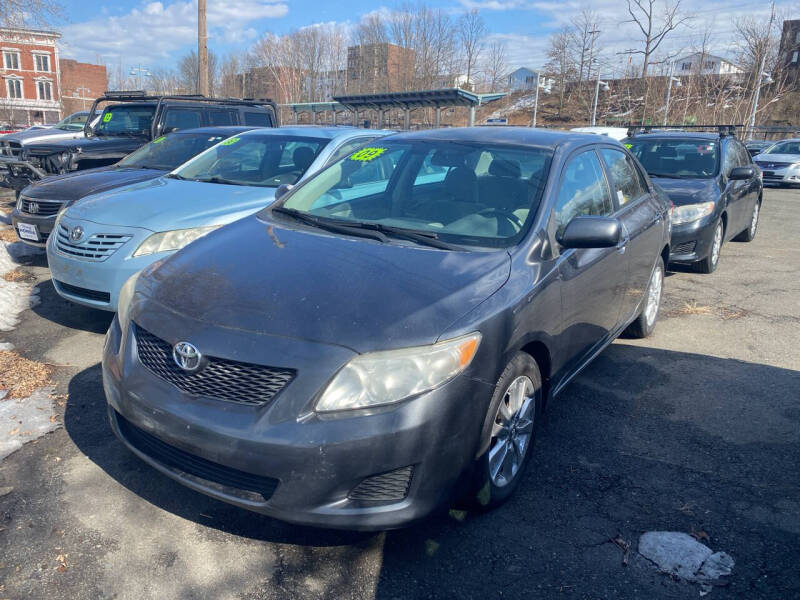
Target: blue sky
x=158 y=33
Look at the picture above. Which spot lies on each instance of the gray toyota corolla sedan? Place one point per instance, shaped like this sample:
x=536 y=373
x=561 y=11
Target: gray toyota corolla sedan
x=386 y=334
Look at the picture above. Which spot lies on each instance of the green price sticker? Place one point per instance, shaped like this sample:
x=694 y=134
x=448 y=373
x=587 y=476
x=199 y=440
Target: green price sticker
x=367 y=154
x=159 y=140
x=628 y=146
x=107 y=117
x=230 y=141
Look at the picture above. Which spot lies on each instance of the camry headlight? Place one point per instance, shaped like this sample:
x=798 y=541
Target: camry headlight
x=385 y=377
x=691 y=212
x=172 y=240
x=125 y=297
x=59 y=214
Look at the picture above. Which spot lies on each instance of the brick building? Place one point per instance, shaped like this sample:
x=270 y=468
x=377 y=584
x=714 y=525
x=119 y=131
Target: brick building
x=790 y=48
x=81 y=83
x=377 y=68
x=30 y=90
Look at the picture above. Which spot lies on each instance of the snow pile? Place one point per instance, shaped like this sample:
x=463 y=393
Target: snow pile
x=681 y=555
x=521 y=103
x=25 y=419
x=14 y=297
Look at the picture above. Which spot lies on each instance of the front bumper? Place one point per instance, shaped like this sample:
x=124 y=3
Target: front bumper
x=44 y=226
x=315 y=461
x=18 y=174
x=97 y=283
x=785 y=176
x=691 y=242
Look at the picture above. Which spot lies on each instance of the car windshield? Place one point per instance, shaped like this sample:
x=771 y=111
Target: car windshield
x=256 y=159
x=471 y=194
x=677 y=158
x=787 y=147
x=126 y=120
x=73 y=122
x=170 y=151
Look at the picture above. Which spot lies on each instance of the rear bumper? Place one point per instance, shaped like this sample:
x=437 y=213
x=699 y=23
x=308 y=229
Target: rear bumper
x=691 y=242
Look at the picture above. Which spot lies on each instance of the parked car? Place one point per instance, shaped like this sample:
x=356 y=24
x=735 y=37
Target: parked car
x=757 y=146
x=68 y=128
x=39 y=203
x=616 y=133
x=100 y=241
x=126 y=121
x=714 y=185
x=780 y=163
x=352 y=362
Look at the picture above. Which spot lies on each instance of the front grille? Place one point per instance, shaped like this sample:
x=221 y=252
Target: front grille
x=190 y=464
x=221 y=379
x=773 y=165
x=684 y=248
x=384 y=487
x=41 y=208
x=12 y=149
x=96 y=248
x=85 y=293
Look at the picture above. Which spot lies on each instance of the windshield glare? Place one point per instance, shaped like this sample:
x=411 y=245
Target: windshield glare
x=680 y=159
x=787 y=147
x=167 y=152
x=257 y=160
x=466 y=193
x=122 y=120
x=72 y=123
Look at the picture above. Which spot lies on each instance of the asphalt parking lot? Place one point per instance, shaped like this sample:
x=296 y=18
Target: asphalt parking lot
x=696 y=429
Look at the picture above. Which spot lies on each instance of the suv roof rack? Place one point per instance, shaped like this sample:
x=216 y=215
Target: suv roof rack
x=722 y=130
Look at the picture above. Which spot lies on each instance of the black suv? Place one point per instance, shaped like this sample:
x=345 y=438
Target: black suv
x=129 y=120
x=714 y=186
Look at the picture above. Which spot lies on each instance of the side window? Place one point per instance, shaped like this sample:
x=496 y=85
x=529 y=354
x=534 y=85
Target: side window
x=583 y=191
x=221 y=117
x=347 y=148
x=257 y=119
x=292 y=159
x=744 y=155
x=729 y=159
x=625 y=178
x=181 y=118
x=430 y=173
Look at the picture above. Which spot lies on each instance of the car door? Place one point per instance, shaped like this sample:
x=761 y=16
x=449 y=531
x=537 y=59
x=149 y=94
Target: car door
x=641 y=217
x=593 y=279
x=736 y=191
x=753 y=184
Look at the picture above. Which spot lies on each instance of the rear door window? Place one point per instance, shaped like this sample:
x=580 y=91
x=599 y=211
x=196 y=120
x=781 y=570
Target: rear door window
x=583 y=191
x=257 y=119
x=182 y=118
x=222 y=117
x=625 y=178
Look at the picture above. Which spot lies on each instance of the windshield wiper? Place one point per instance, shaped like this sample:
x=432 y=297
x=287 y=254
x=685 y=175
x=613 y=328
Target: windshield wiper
x=665 y=176
x=218 y=179
x=176 y=176
x=424 y=238
x=330 y=225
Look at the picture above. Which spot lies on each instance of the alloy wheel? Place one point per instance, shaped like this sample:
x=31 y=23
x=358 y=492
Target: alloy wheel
x=512 y=431
x=716 y=245
x=654 y=296
x=754 y=221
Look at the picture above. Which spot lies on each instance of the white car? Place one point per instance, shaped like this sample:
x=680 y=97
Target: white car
x=780 y=163
x=616 y=133
x=68 y=128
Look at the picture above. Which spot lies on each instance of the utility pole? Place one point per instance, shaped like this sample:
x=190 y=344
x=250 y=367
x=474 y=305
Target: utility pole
x=669 y=90
x=756 y=94
x=535 y=101
x=202 y=48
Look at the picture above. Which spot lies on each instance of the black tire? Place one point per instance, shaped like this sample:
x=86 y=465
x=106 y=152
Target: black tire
x=486 y=494
x=644 y=324
x=749 y=234
x=710 y=263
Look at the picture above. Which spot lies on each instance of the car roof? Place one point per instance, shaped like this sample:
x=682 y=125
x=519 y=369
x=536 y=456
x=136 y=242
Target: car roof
x=683 y=135
x=516 y=136
x=218 y=130
x=313 y=131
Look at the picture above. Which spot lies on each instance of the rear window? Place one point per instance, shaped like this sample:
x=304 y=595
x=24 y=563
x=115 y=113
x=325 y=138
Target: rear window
x=677 y=158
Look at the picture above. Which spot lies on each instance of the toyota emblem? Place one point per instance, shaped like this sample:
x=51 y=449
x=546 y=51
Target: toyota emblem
x=186 y=356
x=76 y=234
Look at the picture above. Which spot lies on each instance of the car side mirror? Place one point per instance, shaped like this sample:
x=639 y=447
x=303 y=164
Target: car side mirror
x=589 y=231
x=282 y=190
x=739 y=173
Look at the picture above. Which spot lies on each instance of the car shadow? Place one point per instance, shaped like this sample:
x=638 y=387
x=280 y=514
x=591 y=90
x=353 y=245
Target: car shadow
x=644 y=439
x=68 y=314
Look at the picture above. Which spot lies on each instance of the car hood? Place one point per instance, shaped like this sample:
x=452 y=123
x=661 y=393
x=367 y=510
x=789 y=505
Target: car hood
x=162 y=204
x=258 y=276
x=688 y=191
x=34 y=135
x=96 y=144
x=76 y=185
x=784 y=158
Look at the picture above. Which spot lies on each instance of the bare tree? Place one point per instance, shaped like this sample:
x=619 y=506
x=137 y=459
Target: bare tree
x=471 y=34
x=559 y=65
x=495 y=66
x=164 y=81
x=585 y=30
x=188 y=70
x=372 y=30
x=26 y=13
x=656 y=19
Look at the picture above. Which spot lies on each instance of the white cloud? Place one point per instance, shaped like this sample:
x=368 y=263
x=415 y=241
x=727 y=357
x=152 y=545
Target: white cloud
x=157 y=30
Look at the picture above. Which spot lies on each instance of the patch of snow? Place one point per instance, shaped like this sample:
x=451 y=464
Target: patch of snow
x=6 y=346
x=14 y=297
x=680 y=554
x=23 y=420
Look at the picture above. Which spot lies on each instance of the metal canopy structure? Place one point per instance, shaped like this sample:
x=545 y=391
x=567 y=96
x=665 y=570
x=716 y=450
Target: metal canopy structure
x=409 y=101
x=314 y=108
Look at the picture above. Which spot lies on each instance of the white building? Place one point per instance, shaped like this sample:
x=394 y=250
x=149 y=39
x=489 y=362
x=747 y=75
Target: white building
x=711 y=65
x=524 y=79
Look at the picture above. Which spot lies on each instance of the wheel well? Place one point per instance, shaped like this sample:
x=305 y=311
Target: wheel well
x=724 y=217
x=665 y=255
x=539 y=352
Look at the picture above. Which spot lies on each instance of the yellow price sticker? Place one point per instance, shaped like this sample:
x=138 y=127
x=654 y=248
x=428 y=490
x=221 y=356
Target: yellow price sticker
x=367 y=154
x=159 y=140
x=628 y=146
x=230 y=141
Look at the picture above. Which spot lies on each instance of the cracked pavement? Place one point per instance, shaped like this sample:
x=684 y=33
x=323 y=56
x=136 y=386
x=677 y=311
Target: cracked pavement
x=696 y=429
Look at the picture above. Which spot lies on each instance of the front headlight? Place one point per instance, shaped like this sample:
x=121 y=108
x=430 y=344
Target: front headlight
x=691 y=212
x=386 y=377
x=20 y=201
x=59 y=214
x=172 y=240
x=125 y=298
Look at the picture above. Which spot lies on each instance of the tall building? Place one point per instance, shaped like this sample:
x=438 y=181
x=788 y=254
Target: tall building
x=81 y=83
x=375 y=68
x=31 y=87
x=790 y=48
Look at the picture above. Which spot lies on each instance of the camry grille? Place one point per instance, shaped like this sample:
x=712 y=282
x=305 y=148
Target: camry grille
x=772 y=165
x=96 y=248
x=221 y=379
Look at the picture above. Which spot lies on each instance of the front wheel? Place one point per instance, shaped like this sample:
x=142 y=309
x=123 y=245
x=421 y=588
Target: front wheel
x=514 y=412
x=710 y=262
x=645 y=323
x=750 y=233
